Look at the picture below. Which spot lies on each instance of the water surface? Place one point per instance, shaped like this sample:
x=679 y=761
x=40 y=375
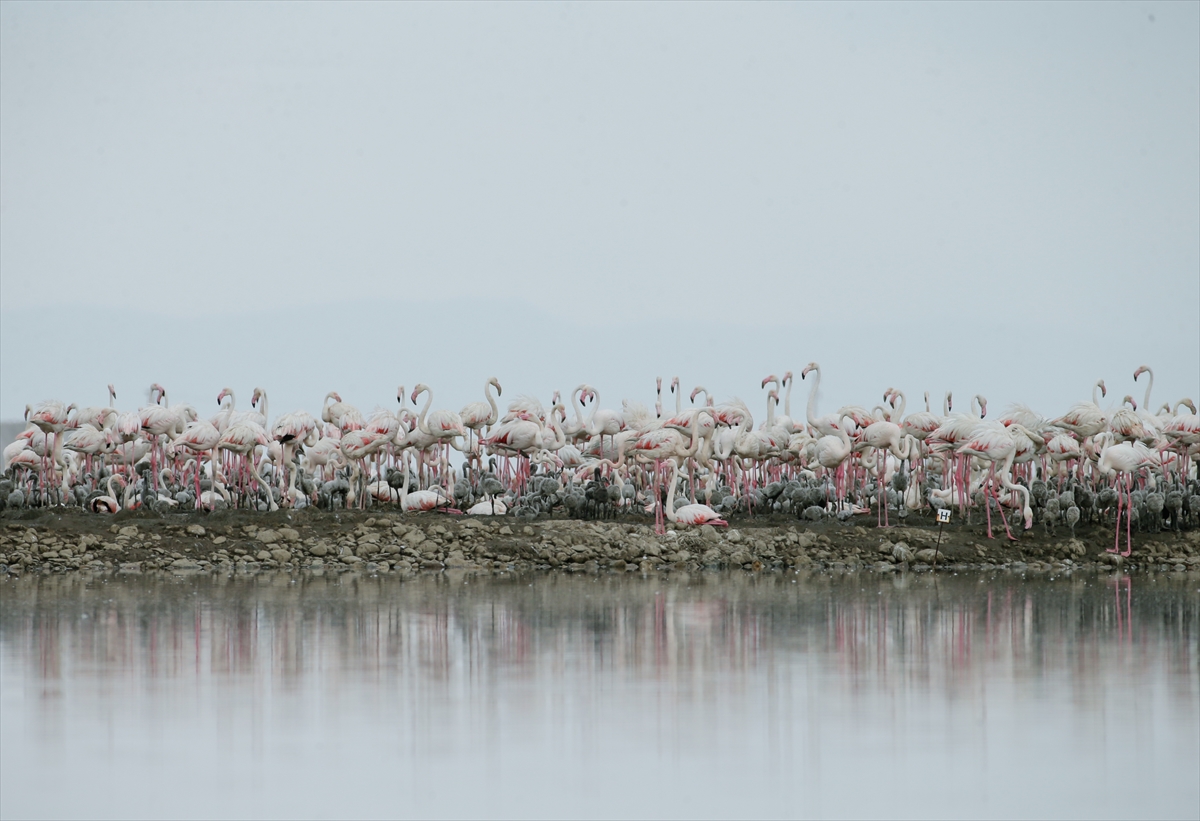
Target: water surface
x=684 y=695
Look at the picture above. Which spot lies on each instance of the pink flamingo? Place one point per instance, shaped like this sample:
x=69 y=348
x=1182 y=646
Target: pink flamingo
x=1121 y=461
x=692 y=515
x=994 y=443
x=478 y=415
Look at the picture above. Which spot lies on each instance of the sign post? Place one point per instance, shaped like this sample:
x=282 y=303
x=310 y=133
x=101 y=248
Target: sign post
x=943 y=516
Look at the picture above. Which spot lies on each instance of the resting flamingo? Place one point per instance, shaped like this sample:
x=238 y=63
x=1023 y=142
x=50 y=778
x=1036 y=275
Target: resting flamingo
x=692 y=514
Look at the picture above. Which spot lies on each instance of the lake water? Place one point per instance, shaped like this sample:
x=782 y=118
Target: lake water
x=682 y=695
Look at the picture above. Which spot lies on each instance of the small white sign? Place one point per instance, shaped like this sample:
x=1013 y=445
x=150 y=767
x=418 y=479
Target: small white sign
x=943 y=515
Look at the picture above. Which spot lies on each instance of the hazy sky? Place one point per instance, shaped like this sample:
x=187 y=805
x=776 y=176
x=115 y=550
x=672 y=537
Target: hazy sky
x=999 y=198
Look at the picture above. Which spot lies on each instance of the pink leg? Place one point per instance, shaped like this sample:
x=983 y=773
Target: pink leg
x=1117 y=541
x=1128 y=521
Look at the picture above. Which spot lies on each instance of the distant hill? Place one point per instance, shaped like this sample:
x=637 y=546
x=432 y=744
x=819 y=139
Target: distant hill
x=8 y=432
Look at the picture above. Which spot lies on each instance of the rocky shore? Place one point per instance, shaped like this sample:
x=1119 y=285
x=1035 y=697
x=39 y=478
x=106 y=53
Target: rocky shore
x=62 y=541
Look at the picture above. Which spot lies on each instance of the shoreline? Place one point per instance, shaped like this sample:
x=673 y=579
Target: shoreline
x=391 y=542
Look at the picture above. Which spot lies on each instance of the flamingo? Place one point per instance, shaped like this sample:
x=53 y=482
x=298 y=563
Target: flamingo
x=691 y=514
x=199 y=437
x=443 y=426
x=832 y=450
x=1121 y=461
x=1125 y=423
x=418 y=500
x=602 y=422
x=90 y=442
x=99 y=418
x=242 y=438
x=825 y=425
x=357 y=446
x=333 y=412
x=995 y=443
x=1085 y=418
x=478 y=415
x=107 y=503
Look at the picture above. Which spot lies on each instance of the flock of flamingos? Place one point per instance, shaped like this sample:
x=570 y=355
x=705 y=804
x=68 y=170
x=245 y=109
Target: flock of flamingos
x=693 y=465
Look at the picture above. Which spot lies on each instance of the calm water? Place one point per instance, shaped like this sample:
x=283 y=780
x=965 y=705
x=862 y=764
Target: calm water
x=703 y=695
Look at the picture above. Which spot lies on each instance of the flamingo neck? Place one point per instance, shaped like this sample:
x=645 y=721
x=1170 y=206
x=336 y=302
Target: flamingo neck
x=1149 y=386
x=812 y=397
x=491 y=400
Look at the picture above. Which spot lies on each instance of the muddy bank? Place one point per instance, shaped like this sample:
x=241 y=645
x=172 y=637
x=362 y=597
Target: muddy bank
x=407 y=543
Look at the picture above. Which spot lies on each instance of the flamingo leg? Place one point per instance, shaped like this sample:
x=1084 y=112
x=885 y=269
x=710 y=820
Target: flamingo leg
x=1116 y=548
x=1129 y=520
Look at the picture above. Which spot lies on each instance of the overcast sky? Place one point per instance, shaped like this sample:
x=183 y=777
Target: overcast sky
x=998 y=198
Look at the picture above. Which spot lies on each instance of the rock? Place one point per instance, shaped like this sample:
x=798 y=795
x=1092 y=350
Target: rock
x=220 y=540
x=806 y=539
x=415 y=537
x=430 y=564
x=262 y=555
x=708 y=533
x=506 y=531
x=456 y=559
x=928 y=555
x=350 y=559
x=128 y=530
x=528 y=531
x=735 y=536
x=740 y=557
x=267 y=536
x=195 y=530
x=281 y=555
x=184 y=564
x=290 y=534
x=130 y=567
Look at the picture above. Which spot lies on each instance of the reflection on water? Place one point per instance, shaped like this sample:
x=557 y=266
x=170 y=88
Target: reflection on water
x=704 y=695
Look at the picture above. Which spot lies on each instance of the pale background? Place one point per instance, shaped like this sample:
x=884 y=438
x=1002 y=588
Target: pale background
x=997 y=198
